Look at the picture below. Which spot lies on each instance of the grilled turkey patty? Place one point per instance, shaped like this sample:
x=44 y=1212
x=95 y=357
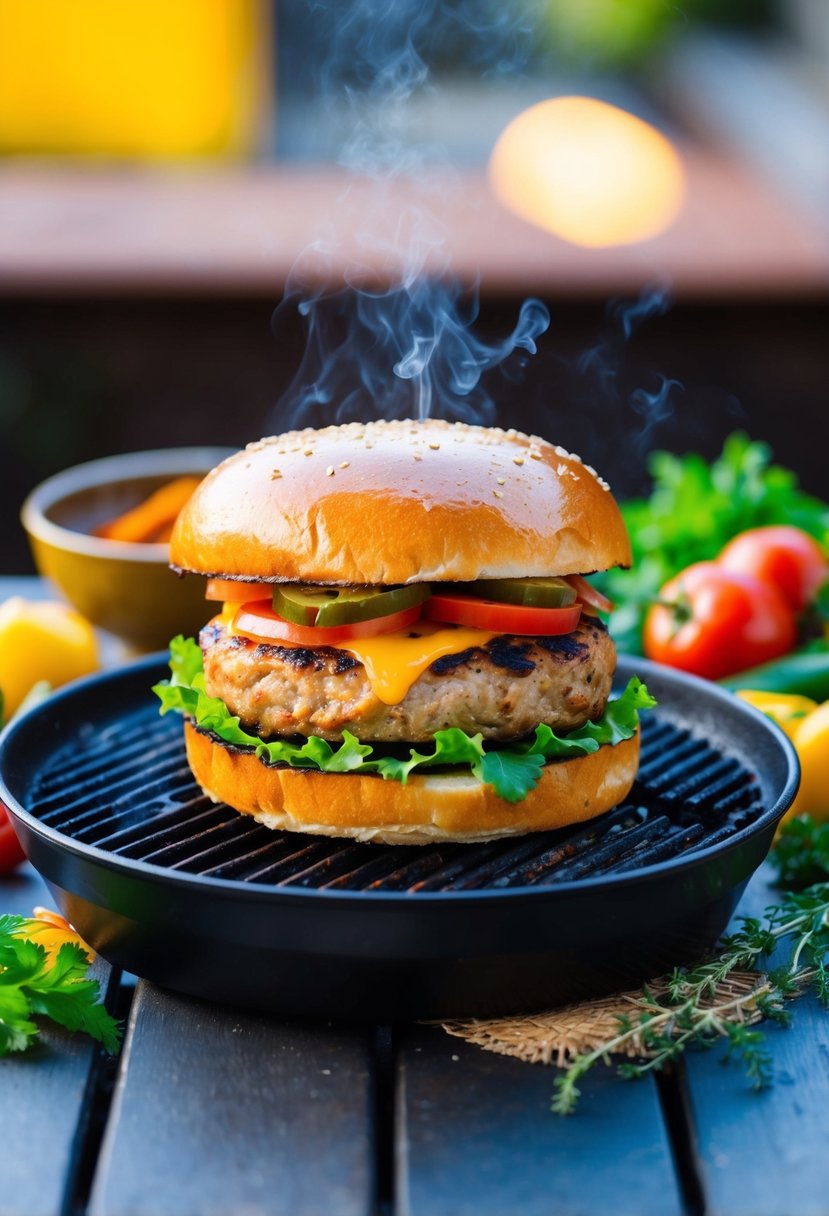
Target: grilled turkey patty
x=504 y=689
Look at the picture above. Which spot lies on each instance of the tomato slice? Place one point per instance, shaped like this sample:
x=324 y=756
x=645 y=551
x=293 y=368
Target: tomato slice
x=588 y=594
x=259 y=622
x=229 y=591
x=503 y=618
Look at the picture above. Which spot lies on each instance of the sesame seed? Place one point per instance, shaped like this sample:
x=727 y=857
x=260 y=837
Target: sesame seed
x=275 y=475
x=501 y=481
x=308 y=452
x=329 y=472
x=535 y=456
x=344 y=464
x=518 y=460
x=497 y=493
x=416 y=457
x=434 y=446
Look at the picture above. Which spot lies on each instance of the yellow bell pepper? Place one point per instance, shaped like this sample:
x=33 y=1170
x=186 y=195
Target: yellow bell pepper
x=40 y=640
x=811 y=739
x=786 y=709
x=151 y=79
x=51 y=930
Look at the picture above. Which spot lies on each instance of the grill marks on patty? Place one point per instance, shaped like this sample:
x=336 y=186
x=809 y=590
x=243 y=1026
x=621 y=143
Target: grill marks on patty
x=503 y=689
x=515 y=654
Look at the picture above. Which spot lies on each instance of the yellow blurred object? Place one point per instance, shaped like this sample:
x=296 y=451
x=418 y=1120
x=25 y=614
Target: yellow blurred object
x=51 y=930
x=40 y=640
x=786 y=709
x=811 y=739
x=133 y=78
x=588 y=172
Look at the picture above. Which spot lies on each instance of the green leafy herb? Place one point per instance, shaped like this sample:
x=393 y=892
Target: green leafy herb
x=693 y=510
x=33 y=984
x=697 y=1006
x=511 y=771
x=801 y=854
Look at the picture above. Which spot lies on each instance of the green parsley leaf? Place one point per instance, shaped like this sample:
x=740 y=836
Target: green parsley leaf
x=34 y=984
x=510 y=774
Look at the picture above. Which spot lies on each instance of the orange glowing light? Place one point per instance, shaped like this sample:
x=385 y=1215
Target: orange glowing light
x=587 y=172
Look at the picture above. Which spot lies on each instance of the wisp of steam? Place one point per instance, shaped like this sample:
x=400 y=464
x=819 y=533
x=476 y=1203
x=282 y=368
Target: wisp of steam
x=406 y=347
x=601 y=364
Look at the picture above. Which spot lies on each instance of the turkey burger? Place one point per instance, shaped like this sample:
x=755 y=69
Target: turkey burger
x=406 y=648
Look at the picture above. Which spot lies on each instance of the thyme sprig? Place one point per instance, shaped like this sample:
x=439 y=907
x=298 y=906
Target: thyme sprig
x=720 y=998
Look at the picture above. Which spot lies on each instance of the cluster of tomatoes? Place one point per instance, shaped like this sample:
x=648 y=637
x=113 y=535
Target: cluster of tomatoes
x=740 y=610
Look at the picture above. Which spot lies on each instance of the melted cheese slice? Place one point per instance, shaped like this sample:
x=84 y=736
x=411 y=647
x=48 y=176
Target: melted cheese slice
x=393 y=661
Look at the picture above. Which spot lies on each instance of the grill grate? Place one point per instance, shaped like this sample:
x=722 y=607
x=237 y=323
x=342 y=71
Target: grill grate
x=127 y=789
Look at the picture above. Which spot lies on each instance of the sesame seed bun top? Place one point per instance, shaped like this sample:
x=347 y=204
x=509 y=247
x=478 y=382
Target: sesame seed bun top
x=400 y=502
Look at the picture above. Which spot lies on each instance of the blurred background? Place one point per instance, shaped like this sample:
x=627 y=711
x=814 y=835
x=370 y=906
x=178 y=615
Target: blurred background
x=186 y=186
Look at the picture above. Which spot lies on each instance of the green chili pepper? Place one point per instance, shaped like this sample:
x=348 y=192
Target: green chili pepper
x=804 y=671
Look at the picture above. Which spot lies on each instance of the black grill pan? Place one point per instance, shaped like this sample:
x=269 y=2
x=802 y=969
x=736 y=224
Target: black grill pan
x=167 y=884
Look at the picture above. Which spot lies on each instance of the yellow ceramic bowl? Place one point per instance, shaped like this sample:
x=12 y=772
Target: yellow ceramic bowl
x=127 y=589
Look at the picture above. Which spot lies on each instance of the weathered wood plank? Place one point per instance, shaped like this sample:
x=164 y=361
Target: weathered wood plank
x=476 y=1138
x=761 y=1154
x=223 y=1112
x=45 y=1095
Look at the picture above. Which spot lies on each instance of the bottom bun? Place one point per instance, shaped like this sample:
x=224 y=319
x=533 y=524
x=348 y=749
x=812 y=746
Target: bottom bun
x=446 y=807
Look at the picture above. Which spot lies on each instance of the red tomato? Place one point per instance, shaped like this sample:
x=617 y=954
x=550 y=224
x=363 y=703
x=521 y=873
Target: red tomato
x=258 y=621
x=789 y=558
x=11 y=853
x=714 y=622
x=503 y=618
x=229 y=591
x=588 y=594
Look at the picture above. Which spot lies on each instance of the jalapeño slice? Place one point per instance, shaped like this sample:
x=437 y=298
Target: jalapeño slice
x=325 y=607
x=532 y=592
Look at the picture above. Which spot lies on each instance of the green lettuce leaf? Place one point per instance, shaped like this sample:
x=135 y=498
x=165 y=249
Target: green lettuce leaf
x=512 y=771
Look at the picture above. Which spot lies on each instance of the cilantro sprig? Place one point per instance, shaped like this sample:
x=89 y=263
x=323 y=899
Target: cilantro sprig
x=35 y=983
x=512 y=771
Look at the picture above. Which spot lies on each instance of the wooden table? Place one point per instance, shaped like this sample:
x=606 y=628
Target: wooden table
x=211 y=1111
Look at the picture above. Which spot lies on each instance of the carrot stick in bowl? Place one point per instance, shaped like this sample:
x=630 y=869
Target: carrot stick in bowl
x=152 y=519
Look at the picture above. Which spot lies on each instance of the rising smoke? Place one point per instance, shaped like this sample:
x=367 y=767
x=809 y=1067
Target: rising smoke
x=602 y=365
x=403 y=346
